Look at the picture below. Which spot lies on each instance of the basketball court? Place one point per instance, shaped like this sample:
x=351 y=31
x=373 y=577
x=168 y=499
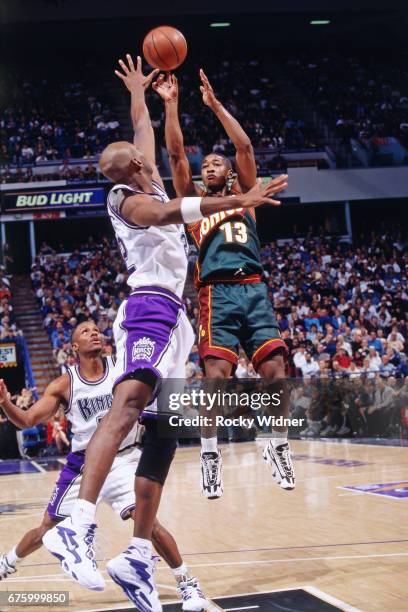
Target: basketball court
x=337 y=542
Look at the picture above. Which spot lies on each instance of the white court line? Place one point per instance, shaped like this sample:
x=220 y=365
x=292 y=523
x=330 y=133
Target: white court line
x=38 y=466
x=238 y=563
x=299 y=559
x=369 y=493
x=244 y=608
x=309 y=589
x=330 y=599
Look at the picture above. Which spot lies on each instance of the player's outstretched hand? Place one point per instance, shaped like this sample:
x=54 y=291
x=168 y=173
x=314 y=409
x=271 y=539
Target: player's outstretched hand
x=132 y=77
x=206 y=89
x=4 y=394
x=166 y=86
x=262 y=193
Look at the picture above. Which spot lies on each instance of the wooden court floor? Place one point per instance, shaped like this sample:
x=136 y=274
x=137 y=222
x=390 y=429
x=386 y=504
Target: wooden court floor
x=351 y=545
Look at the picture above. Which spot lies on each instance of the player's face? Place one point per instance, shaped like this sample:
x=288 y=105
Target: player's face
x=88 y=339
x=214 y=172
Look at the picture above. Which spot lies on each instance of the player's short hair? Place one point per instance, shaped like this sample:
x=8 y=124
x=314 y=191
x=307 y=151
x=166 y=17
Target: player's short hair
x=73 y=332
x=225 y=159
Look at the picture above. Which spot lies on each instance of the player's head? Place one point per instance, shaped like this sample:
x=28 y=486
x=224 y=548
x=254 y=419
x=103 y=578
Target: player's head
x=86 y=339
x=216 y=171
x=122 y=162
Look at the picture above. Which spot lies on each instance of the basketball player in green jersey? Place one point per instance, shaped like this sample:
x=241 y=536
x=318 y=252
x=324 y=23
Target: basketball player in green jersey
x=234 y=304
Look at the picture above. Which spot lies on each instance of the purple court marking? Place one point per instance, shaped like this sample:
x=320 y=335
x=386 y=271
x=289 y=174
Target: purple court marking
x=241 y=550
x=397 y=490
x=328 y=461
x=17 y=467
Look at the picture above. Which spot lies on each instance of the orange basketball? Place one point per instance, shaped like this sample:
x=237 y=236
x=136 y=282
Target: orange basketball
x=165 y=48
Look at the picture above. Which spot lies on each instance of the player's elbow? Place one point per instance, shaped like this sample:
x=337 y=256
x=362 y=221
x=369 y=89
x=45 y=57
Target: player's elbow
x=245 y=147
x=176 y=155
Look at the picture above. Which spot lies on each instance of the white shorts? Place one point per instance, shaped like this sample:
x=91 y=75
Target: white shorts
x=118 y=489
x=152 y=332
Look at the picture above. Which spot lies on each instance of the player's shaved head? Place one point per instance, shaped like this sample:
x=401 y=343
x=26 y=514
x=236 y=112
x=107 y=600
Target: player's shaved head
x=119 y=160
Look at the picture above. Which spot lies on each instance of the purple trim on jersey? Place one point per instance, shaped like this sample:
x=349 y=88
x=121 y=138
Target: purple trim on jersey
x=150 y=317
x=94 y=382
x=158 y=291
x=71 y=471
x=71 y=389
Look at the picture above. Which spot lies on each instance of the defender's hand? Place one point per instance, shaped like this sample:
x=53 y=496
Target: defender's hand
x=134 y=78
x=167 y=87
x=4 y=394
x=261 y=193
x=208 y=93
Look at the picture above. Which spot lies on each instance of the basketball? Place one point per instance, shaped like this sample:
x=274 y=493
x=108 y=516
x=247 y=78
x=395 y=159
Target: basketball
x=165 y=48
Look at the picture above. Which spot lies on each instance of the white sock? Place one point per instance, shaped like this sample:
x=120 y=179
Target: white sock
x=83 y=512
x=209 y=445
x=279 y=438
x=144 y=546
x=12 y=557
x=180 y=573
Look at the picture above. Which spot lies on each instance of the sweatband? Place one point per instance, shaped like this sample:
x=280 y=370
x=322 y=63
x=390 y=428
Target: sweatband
x=190 y=210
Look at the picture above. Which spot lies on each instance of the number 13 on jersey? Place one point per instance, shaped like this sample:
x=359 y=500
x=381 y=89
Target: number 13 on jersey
x=235 y=232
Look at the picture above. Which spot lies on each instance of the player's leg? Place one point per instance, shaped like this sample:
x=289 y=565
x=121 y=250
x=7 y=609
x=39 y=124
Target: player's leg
x=29 y=543
x=72 y=542
x=151 y=473
x=264 y=345
x=277 y=451
x=60 y=505
x=218 y=352
x=118 y=492
x=189 y=588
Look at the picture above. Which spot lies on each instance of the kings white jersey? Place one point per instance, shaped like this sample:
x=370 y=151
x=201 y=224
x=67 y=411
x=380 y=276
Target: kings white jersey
x=154 y=256
x=88 y=403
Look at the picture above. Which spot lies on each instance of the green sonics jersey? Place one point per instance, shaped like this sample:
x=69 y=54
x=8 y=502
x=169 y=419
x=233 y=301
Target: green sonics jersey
x=229 y=248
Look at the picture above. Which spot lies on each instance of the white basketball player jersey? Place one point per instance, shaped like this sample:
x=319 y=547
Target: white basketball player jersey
x=154 y=256
x=89 y=402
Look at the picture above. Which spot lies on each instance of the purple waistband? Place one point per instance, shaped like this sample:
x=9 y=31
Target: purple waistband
x=159 y=291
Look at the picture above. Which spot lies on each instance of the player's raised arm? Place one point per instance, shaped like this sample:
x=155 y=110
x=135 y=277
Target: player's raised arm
x=137 y=84
x=42 y=410
x=167 y=88
x=244 y=157
x=143 y=210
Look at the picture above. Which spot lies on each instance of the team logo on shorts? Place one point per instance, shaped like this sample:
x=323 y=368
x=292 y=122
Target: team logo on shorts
x=143 y=349
x=54 y=495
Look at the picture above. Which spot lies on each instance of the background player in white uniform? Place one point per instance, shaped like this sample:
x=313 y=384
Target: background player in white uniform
x=85 y=391
x=153 y=338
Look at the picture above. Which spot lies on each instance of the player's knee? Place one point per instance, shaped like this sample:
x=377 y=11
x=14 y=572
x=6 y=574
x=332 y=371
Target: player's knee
x=217 y=368
x=273 y=367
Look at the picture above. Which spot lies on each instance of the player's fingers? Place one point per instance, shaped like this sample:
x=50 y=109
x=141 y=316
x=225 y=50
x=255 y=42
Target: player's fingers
x=130 y=61
x=120 y=75
x=123 y=66
x=275 y=188
x=279 y=178
x=150 y=77
x=204 y=76
x=272 y=202
x=139 y=63
x=283 y=178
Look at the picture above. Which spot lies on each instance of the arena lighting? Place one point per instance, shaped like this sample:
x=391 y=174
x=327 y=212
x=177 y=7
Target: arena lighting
x=320 y=22
x=220 y=24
